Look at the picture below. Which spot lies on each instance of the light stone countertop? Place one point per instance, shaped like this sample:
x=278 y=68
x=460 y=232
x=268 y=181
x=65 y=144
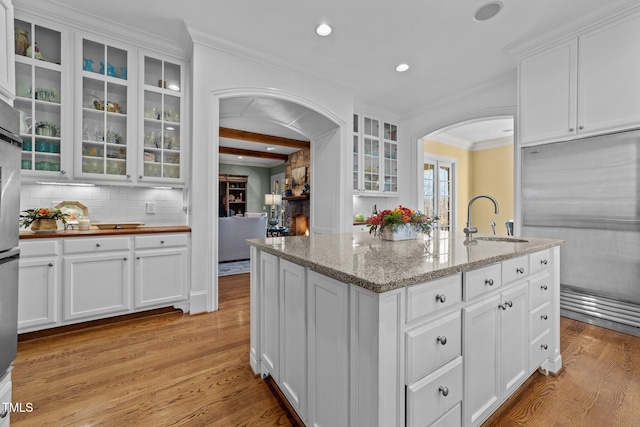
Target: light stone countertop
x=367 y=261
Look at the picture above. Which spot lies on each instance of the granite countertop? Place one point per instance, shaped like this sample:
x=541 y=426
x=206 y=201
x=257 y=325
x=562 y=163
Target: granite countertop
x=95 y=231
x=380 y=266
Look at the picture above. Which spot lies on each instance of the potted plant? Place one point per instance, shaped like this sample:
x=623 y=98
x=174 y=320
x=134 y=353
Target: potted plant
x=43 y=220
x=400 y=223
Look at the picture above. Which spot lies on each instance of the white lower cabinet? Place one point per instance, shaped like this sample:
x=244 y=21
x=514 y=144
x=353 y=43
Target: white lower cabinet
x=38 y=286
x=270 y=315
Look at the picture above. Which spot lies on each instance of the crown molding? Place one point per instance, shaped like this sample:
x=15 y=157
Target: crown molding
x=452 y=141
x=370 y=111
x=588 y=20
x=492 y=143
x=270 y=59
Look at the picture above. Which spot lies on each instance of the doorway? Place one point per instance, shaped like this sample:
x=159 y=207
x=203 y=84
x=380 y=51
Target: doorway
x=440 y=191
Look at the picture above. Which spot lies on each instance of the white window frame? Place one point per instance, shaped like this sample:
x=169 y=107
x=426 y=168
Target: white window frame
x=437 y=161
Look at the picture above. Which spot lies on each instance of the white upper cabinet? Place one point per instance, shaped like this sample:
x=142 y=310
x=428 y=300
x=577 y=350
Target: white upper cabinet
x=584 y=86
x=6 y=51
x=375 y=156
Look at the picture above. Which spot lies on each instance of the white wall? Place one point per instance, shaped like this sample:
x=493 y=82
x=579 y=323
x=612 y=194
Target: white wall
x=217 y=74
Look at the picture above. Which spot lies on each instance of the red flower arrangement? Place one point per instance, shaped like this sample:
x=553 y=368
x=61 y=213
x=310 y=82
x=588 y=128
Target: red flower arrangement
x=398 y=217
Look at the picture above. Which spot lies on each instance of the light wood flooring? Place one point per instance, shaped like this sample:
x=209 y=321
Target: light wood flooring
x=181 y=370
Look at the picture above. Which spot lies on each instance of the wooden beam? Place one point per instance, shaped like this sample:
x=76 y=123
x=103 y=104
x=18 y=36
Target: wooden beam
x=263 y=139
x=251 y=153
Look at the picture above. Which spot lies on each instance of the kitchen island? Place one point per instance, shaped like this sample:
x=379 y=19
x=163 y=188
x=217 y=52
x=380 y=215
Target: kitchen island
x=357 y=331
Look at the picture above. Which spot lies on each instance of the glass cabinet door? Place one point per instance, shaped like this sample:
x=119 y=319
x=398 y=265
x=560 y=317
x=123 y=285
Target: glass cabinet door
x=161 y=157
x=356 y=153
x=39 y=91
x=390 y=158
x=371 y=154
x=105 y=91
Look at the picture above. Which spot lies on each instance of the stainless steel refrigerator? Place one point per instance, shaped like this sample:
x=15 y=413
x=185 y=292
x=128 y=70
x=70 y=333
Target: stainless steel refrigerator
x=10 y=148
x=587 y=192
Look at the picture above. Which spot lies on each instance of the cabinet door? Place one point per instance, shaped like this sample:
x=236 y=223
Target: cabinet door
x=609 y=77
x=480 y=358
x=270 y=312
x=357 y=161
x=328 y=355
x=37 y=295
x=293 y=335
x=514 y=313
x=160 y=277
x=547 y=94
x=371 y=154
x=6 y=50
x=390 y=158
x=95 y=285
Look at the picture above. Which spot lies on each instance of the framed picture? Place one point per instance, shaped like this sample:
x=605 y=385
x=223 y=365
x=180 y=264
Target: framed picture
x=298 y=179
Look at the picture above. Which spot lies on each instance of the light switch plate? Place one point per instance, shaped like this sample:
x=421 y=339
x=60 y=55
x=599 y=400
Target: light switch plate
x=151 y=207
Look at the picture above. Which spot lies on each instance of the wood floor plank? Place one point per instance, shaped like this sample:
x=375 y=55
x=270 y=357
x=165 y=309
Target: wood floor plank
x=182 y=370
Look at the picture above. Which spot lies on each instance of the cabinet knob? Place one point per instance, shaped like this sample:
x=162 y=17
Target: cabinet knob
x=4 y=414
x=98 y=245
x=125 y=258
x=543 y=287
x=544 y=346
x=62 y=172
x=128 y=175
x=580 y=127
x=444 y=391
x=571 y=129
x=442 y=340
x=488 y=282
x=506 y=305
x=137 y=257
x=543 y=262
x=520 y=270
x=50 y=264
x=544 y=317
x=140 y=176
x=441 y=298
x=162 y=242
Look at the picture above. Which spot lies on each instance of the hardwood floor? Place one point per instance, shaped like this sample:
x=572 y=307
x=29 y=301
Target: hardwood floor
x=175 y=369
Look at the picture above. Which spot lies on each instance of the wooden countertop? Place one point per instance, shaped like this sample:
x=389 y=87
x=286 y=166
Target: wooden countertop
x=95 y=231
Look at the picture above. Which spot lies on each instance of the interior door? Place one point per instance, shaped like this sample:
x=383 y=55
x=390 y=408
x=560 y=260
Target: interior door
x=439 y=188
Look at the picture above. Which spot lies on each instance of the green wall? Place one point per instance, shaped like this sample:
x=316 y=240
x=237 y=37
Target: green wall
x=259 y=183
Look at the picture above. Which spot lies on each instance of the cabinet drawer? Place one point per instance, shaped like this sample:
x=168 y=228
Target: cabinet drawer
x=539 y=320
x=514 y=269
x=426 y=400
x=41 y=247
x=90 y=246
x=539 y=261
x=428 y=298
x=537 y=352
x=481 y=280
x=453 y=418
x=539 y=291
x=433 y=345
x=161 y=241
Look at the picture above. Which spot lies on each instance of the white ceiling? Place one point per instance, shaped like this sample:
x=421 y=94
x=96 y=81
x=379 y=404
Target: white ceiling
x=476 y=134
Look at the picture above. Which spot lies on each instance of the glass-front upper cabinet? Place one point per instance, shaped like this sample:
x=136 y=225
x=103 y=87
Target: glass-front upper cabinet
x=103 y=108
x=161 y=111
x=390 y=157
x=40 y=92
x=356 y=152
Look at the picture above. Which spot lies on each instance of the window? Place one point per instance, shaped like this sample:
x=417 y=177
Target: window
x=439 y=188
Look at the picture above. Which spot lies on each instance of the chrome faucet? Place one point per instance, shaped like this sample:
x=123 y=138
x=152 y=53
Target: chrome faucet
x=469 y=230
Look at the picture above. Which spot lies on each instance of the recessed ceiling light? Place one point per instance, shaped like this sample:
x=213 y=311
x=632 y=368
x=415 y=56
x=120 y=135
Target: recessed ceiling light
x=323 y=30
x=402 y=68
x=487 y=11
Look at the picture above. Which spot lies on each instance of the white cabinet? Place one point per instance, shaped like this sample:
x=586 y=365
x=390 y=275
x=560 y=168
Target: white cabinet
x=375 y=156
x=582 y=86
x=96 y=283
x=160 y=270
x=328 y=351
x=5 y=400
x=270 y=341
x=495 y=350
x=39 y=285
x=6 y=51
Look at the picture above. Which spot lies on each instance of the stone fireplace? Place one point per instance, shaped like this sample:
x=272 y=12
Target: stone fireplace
x=296 y=216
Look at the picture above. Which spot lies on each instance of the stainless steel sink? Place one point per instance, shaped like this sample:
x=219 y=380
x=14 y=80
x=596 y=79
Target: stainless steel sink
x=501 y=239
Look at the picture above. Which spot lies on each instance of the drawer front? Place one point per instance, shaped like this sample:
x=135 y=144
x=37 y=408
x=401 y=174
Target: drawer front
x=539 y=261
x=433 y=345
x=482 y=280
x=537 y=352
x=539 y=291
x=426 y=400
x=41 y=247
x=514 y=269
x=539 y=320
x=161 y=241
x=453 y=418
x=97 y=245
x=428 y=298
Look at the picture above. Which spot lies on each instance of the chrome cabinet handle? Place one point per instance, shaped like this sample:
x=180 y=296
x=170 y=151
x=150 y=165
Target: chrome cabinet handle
x=97 y=245
x=488 y=282
x=580 y=127
x=4 y=413
x=506 y=305
x=520 y=270
x=441 y=298
x=543 y=262
x=544 y=317
x=444 y=391
x=544 y=346
x=571 y=129
x=137 y=257
x=442 y=340
x=62 y=172
x=543 y=287
x=50 y=264
x=162 y=242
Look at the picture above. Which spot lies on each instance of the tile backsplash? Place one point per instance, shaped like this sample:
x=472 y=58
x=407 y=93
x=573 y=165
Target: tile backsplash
x=111 y=204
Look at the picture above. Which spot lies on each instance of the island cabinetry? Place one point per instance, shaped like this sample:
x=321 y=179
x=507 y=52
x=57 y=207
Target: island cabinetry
x=580 y=86
x=160 y=269
x=270 y=356
x=541 y=314
x=97 y=277
x=39 y=285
